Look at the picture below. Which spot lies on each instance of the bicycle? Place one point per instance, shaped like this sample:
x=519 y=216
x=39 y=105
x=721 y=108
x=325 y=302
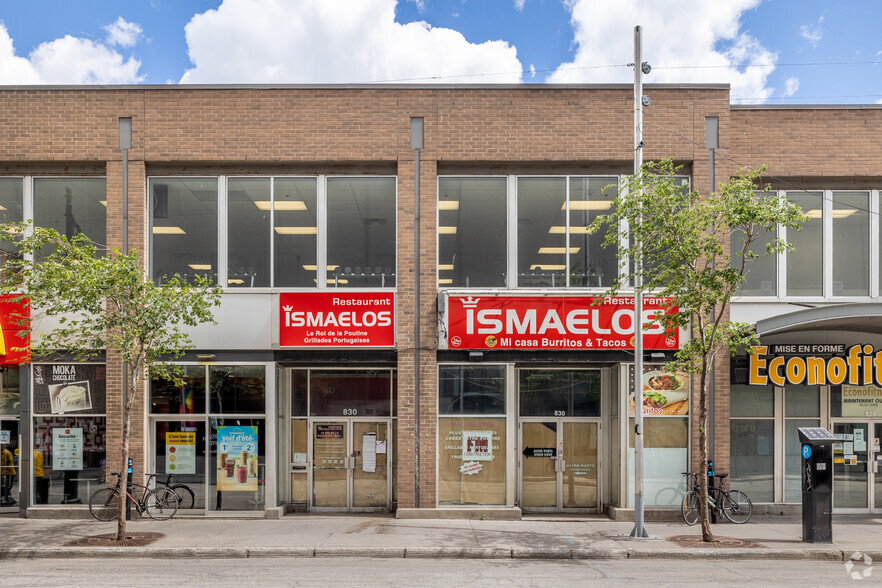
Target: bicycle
x=186 y=497
x=732 y=504
x=159 y=504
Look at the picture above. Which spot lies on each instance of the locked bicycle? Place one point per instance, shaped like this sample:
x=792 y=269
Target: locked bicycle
x=159 y=504
x=732 y=504
x=186 y=497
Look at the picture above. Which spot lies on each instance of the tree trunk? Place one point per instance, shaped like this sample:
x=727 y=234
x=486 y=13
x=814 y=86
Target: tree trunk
x=706 y=533
x=124 y=453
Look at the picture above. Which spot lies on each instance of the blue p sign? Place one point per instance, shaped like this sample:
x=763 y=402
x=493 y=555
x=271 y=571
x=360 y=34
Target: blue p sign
x=806 y=451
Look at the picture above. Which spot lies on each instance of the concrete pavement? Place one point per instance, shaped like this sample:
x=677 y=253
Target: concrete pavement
x=548 y=537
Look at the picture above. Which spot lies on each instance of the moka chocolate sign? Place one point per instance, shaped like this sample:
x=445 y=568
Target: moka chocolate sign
x=815 y=365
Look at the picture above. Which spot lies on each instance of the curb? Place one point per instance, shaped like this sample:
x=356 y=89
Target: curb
x=829 y=554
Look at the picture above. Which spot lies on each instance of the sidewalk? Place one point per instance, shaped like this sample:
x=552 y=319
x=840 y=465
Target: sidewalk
x=588 y=537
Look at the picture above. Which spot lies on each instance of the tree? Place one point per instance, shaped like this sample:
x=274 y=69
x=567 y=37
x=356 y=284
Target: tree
x=682 y=239
x=103 y=300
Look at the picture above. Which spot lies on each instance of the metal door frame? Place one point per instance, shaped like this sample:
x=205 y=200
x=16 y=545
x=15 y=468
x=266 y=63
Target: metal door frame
x=871 y=459
x=560 y=465
x=348 y=422
x=16 y=488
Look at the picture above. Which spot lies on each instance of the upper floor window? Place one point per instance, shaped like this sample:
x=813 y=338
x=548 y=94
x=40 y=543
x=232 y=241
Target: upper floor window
x=523 y=232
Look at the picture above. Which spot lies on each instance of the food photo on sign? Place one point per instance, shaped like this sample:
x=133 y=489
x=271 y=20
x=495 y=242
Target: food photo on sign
x=664 y=394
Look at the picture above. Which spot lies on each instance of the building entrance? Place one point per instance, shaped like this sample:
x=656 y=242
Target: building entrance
x=857 y=479
x=559 y=465
x=350 y=460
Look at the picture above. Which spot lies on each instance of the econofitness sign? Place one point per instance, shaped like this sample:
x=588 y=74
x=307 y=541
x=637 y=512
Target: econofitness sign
x=554 y=322
x=815 y=365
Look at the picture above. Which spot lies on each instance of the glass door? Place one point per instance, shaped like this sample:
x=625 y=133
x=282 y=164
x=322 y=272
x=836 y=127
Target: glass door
x=350 y=465
x=9 y=470
x=559 y=465
x=875 y=467
x=851 y=466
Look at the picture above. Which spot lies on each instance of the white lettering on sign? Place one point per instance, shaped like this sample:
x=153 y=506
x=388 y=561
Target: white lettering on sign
x=338 y=319
x=490 y=321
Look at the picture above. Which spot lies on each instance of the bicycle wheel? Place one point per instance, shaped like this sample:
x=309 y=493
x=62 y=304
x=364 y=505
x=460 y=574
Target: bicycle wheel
x=737 y=507
x=689 y=508
x=104 y=504
x=161 y=504
x=186 y=498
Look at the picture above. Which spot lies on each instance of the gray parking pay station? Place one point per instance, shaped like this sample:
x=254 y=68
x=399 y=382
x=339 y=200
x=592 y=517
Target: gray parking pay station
x=817 y=484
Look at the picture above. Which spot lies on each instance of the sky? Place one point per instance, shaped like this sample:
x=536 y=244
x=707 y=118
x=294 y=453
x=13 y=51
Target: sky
x=769 y=51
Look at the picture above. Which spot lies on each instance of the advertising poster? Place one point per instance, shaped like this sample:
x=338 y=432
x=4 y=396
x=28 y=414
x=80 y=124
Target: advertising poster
x=69 y=388
x=330 y=445
x=477 y=445
x=664 y=394
x=180 y=453
x=861 y=401
x=67 y=448
x=237 y=458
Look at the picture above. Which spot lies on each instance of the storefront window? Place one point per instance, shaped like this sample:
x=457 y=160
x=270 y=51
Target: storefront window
x=665 y=457
x=237 y=389
x=248 y=232
x=10 y=390
x=180 y=459
x=72 y=206
x=591 y=264
x=295 y=222
x=805 y=261
x=237 y=463
x=472 y=232
x=350 y=393
x=187 y=398
x=542 y=236
x=361 y=232
x=471 y=390
x=184 y=227
x=69 y=431
x=471 y=461
x=761 y=278
x=851 y=243
x=752 y=441
x=572 y=393
x=801 y=403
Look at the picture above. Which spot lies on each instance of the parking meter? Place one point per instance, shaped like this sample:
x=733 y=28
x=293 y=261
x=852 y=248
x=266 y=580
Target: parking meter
x=817 y=484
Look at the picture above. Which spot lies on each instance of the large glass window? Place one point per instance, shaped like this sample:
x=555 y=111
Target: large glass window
x=295 y=220
x=72 y=206
x=350 y=393
x=184 y=227
x=761 y=277
x=573 y=393
x=591 y=264
x=752 y=441
x=248 y=230
x=802 y=408
x=361 y=232
x=805 y=262
x=471 y=390
x=472 y=232
x=851 y=243
x=542 y=232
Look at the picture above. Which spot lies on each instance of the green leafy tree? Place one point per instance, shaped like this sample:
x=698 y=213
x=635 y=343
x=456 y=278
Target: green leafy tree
x=681 y=240
x=103 y=300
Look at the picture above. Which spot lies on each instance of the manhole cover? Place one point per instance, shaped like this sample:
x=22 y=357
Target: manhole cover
x=725 y=542
x=109 y=540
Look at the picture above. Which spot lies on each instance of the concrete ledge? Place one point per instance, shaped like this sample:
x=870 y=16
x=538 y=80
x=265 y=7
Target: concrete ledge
x=383 y=552
x=281 y=552
x=665 y=514
x=275 y=512
x=458 y=552
x=599 y=553
x=737 y=554
x=63 y=512
x=493 y=513
x=541 y=553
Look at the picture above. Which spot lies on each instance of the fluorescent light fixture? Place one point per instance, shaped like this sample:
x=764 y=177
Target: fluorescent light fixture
x=557 y=230
x=101 y=202
x=446 y=230
x=588 y=205
x=168 y=231
x=200 y=266
x=448 y=205
x=445 y=281
x=445 y=267
x=843 y=212
x=4 y=208
x=546 y=266
x=313 y=267
x=557 y=250
x=235 y=281
x=296 y=230
x=281 y=204
x=205 y=356
x=333 y=281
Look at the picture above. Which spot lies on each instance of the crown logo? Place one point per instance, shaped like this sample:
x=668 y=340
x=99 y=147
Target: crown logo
x=469 y=302
x=287 y=308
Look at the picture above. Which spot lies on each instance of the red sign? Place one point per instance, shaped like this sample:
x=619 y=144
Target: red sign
x=14 y=349
x=554 y=322
x=338 y=319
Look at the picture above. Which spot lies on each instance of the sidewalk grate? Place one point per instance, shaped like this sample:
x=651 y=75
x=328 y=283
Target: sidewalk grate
x=725 y=542
x=109 y=540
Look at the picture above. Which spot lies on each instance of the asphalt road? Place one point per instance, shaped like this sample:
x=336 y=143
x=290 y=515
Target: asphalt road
x=326 y=572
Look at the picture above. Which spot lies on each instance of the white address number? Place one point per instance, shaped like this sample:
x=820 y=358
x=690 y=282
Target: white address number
x=350 y=411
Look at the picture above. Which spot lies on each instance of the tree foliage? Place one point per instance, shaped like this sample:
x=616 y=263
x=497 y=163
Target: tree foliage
x=101 y=299
x=681 y=240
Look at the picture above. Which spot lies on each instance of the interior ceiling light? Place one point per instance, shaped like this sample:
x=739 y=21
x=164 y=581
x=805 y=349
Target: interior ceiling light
x=168 y=231
x=446 y=230
x=588 y=205
x=101 y=202
x=445 y=281
x=545 y=266
x=200 y=266
x=557 y=250
x=448 y=205
x=235 y=281
x=281 y=204
x=296 y=230
x=838 y=213
x=556 y=230
x=445 y=267
x=313 y=267
x=333 y=281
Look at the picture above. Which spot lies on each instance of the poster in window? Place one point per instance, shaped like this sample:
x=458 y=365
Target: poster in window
x=237 y=458
x=67 y=448
x=477 y=445
x=665 y=393
x=69 y=388
x=180 y=453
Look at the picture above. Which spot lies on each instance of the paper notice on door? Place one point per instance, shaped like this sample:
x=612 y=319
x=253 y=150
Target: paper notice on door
x=369 y=452
x=381 y=446
x=860 y=446
x=876 y=444
x=848 y=447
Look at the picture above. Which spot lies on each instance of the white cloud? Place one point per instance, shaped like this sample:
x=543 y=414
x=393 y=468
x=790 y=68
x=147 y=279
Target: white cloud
x=335 y=41
x=791 y=86
x=69 y=60
x=812 y=33
x=677 y=36
x=122 y=33
x=532 y=71
x=519 y=4
x=420 y=5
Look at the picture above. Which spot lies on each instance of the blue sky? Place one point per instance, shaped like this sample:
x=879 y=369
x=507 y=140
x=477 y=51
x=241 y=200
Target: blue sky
x=770 y=51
